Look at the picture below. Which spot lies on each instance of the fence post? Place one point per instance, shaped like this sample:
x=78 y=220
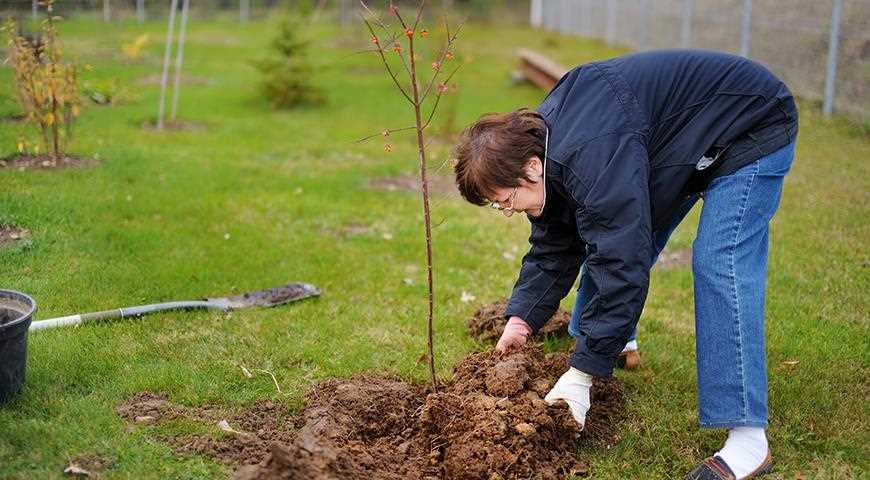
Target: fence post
x=140 y=11
x=686 y=31
x=746 y=29
x=244 y=11
x=536 y=15
x=610 y=23
x=831 y=76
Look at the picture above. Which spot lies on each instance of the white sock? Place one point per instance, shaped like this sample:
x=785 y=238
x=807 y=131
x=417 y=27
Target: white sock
x=630 y=346
x=745 y=450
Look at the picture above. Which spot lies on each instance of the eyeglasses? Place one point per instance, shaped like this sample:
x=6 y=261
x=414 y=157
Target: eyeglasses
x=509 y=210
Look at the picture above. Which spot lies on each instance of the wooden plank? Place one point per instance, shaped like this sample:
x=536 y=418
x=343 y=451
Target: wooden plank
x=539 y=69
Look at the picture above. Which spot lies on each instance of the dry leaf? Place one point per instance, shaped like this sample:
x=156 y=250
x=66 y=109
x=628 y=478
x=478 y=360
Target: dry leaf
x=76 y=471
x=408 y=281
x=387 y=236
x=225 y=426
x=467 y=297
x=246 y=372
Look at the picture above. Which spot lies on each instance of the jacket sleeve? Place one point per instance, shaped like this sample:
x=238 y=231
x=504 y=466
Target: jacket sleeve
x=549 y=268
x=609 y=179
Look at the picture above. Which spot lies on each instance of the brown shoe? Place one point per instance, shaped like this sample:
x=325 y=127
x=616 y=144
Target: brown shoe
x=714 y=468
x=628 y=360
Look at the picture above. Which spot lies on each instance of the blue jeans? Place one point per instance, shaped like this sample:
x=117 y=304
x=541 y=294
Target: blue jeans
x=729 y=266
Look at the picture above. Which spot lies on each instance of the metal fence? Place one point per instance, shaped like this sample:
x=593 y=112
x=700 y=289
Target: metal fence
x=820 y=48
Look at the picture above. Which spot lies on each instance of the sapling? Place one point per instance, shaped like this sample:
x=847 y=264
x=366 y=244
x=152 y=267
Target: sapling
x=46 y=86
x=402 y=45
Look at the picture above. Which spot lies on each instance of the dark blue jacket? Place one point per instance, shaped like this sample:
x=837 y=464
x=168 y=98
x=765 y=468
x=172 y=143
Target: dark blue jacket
x=625 y=136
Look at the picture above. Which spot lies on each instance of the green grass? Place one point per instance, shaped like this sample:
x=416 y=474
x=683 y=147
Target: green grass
x=148 y=222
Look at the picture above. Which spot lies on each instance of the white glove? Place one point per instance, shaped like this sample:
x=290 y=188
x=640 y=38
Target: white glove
x=572 y=388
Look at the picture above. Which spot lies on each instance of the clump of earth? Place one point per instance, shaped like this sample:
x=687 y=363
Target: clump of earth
x=488 y=421
x=488 y=322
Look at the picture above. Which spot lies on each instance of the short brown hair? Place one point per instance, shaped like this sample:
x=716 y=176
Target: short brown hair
x=493 y=152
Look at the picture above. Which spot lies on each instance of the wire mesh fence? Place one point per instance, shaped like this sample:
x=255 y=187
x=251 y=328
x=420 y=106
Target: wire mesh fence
x=820 y=48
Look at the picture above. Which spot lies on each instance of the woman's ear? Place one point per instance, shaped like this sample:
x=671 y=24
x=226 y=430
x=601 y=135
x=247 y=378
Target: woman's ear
x=534 y=169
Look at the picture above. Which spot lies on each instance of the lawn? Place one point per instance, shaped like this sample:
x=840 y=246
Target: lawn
x=262 y=197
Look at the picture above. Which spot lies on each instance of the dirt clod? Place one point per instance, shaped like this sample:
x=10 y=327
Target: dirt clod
x=487 y=323
x=486 y=423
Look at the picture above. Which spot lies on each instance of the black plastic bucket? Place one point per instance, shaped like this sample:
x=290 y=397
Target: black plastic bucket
x=16 y=313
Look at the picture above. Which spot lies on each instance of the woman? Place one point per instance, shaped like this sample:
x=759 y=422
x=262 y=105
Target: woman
x=605 y=169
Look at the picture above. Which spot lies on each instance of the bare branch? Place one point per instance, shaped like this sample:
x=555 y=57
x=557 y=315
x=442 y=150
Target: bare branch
x=447 y=48
x=419 y=14
x=438 y=97
x=374 y=16
x=389 y=131
x=380 y=51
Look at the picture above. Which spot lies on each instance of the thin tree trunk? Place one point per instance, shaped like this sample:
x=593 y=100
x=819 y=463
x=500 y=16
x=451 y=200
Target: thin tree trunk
x=421 y=146
x=107 y=11
x=167 y=56
x=54 y=131
x=179 y=59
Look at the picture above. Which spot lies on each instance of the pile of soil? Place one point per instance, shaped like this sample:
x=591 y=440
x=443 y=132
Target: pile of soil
x=489 y=422
x=487 y=323
x=251 y=431
x=42 y=162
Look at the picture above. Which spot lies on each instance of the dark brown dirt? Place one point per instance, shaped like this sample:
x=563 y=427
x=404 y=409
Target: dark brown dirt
x=487 y=323
x=42 y=162
x=10 y=234
x=489 y=422
x=255 y=428
x=13 y=118
x=408 y=183
x=674 y=259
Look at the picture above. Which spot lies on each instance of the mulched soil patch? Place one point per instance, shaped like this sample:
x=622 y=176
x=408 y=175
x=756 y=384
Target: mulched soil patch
x=674 y=259
x=409 y=183
x=42 y=162
x=185 y=80
x=10 y=234
x=13 y=118
x=176 y=126
x=244 y=439
x=487 y=323
x=489 y=422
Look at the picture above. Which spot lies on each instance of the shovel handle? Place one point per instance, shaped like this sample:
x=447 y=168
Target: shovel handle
x=137 y=311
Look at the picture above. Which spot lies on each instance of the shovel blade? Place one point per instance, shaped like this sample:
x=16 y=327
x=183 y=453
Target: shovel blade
x=270 y=297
